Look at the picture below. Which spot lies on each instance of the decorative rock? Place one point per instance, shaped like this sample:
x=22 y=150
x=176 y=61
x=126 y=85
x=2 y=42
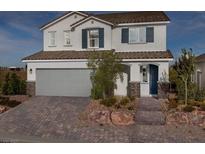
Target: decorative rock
x=2 y=109
x=196 y=118
x=122 y=118
x=100 y=116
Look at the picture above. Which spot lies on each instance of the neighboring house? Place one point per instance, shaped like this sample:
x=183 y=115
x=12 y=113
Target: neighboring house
x=139 y=38
x=199 y=76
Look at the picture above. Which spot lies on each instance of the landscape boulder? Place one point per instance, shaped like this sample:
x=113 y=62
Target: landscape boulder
x=100 y=116
x=122 y=118
x=2 y=109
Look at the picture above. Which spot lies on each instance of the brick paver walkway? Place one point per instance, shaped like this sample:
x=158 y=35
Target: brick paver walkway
x=149 y=112
x=56 y=119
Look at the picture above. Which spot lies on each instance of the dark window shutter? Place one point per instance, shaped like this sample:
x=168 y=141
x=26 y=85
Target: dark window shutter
x=101 y=37
x=84 y=39
x=125 y=35
x=150 y=34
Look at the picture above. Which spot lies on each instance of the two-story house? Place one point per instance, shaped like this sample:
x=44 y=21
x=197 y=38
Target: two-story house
x=139 y=38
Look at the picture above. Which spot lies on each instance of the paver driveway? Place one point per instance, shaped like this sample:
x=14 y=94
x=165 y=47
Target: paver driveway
x=56 y=119
x=43 y=117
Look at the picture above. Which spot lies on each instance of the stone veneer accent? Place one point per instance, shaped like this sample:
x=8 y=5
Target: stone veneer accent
x=31 y=88
x=134 y=89
x=163 y=89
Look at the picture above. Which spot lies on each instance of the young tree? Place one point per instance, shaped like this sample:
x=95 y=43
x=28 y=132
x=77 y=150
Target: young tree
x=6 y=84
x=107 y=68
x=15 y=81
x=185 y=67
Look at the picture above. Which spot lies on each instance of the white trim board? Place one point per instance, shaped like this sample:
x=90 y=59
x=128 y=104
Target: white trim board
x=144 y=23
x=85 y=60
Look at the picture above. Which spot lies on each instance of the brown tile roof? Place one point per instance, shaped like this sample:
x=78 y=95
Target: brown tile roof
x=134 y=17
x=125 y=17
x=57 y=55
x=200 y=58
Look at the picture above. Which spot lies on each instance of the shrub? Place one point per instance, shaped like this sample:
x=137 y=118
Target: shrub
x=111 y=101
x=13 y=85
x=194 y=103
x=200 y=95
x=4 y=99
x=202 y=107
x=23 y=87
x=124 y=101
x=96 y=92
x=117 y=106
x=132 y=98
x=188 y=108
x=10 y=103
x=130 y=108
x=172 y=104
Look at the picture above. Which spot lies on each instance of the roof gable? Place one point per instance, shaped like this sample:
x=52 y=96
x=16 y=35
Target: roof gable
x=88 y=19
x=62 y=18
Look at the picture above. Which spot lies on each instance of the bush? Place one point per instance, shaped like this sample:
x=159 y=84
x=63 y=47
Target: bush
x=111 y=101
x=13 y=85
x=4 y=99
x=10 y=103
x=172 y=104
x=200 y=95
x=124 y=101
x=188 y=108
x=202 y=107
x=96 y=92
x=132 y=98
x=194 y=103
x=130 y=108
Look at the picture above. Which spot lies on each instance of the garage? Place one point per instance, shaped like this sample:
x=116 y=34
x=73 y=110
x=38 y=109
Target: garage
x=63 y=82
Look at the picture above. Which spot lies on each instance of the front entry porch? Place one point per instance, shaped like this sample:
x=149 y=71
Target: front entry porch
x=144 y=79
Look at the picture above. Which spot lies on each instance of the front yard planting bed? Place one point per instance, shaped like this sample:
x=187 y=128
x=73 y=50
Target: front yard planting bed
x=179 y=114
x=8 y=102
x=101 y=112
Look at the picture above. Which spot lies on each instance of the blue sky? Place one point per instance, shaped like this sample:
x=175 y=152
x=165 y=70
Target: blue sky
x=20 y=35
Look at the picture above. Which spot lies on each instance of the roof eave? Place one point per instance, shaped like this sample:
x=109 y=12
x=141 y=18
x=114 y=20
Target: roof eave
x=61 y=18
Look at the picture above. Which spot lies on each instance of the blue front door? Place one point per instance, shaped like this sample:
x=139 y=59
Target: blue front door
x=153 y=79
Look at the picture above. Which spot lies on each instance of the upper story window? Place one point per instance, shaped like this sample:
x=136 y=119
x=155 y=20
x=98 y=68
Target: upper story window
x=93 y=38
x=52 y=38
x=137 y=35
x=67 y=38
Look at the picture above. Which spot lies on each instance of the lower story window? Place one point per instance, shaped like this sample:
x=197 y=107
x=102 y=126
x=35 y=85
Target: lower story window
x=144 y=73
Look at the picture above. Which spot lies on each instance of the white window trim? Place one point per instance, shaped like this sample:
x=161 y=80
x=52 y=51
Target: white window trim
x=49 y=41
x=67 y=31
x=88 y=39
x=140 y=39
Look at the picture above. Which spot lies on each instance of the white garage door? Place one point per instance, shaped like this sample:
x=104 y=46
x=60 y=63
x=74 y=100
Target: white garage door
x=63 y=82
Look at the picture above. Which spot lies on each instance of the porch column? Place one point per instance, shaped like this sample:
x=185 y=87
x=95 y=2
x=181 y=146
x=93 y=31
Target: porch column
x=134 y=83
